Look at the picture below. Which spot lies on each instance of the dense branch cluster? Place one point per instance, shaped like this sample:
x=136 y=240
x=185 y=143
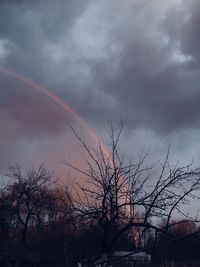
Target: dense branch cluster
x=133 y=197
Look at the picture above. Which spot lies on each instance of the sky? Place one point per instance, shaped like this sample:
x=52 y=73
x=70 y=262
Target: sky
x=133 y=60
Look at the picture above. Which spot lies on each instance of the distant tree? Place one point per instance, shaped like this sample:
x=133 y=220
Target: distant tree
x=181 y=228
x=61 y=227
x=29 y=197
x=60 y=209
x=121 y=197
x=181 y=247
x=7 y=212
x=36 y=217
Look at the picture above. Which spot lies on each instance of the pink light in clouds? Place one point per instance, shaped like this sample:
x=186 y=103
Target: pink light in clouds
x=58 y=101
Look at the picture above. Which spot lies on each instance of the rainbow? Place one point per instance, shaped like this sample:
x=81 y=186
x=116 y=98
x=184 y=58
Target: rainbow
x=56 y=99
x=61 y=103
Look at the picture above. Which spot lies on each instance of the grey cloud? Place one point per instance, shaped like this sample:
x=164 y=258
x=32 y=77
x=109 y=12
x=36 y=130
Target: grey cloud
x=185 y=31
x=138 y=60
x=31 y=25
x=26 y=28
x=155 y=85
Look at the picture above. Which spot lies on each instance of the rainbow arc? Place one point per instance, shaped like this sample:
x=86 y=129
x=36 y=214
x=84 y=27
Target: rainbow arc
x=56 y=99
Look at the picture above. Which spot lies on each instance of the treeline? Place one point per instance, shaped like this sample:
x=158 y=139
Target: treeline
x=181 y=249
x=122 y=205
x=36 y=218
x=40 y=224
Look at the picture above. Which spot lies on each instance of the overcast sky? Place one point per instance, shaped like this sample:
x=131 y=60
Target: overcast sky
x=138 y=60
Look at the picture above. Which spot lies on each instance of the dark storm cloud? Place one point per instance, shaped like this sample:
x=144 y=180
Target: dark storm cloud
x=25 y=30
x=136 y=59
x=156 y=84
x=185 y=31
x=29 y=25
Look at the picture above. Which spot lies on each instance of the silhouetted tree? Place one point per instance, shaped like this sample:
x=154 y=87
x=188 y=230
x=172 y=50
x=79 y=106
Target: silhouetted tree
x=28 y=195
x=120 y=197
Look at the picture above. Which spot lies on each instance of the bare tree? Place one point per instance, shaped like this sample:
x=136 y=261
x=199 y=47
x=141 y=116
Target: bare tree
x=29 y=197
x=34 y=208
x=134 y=197
x=7 y=213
